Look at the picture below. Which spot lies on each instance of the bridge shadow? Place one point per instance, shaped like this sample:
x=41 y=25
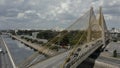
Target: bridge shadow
x=90 y=61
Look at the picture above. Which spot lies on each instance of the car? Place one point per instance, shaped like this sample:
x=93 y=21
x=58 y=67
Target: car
x=106 y=50
x=76 y=54
x=86 y=46
x=93 y=44
x=1 y=50
x=68 y=60
x=78 y=49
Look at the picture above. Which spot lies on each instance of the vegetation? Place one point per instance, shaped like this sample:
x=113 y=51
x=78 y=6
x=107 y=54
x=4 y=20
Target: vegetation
x=0 y=33
x=65 y=38
x=71 y=38
x=54 y=48
x=47 y=34
x=13 y=32
x=114 y=39
x=24 y=32
x=32 y=40
x=115 y=53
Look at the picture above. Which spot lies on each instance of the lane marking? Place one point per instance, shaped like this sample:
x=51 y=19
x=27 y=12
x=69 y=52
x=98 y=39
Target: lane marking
x=9 y=54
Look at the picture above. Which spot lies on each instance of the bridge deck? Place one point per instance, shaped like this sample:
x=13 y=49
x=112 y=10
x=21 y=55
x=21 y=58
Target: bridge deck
x=85 y=53
x=57 y=61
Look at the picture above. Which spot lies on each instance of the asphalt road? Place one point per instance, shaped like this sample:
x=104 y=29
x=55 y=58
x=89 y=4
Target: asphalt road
x=113 y=46
x=109 y=60
x=100 y=62
x=56 y=61
x=0 y=62
x=4 y=58
x=53 y=62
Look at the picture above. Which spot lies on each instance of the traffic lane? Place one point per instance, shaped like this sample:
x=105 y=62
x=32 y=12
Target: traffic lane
x=0 y=61
x=53 y=62
x=6 y=63
x=109 y=60
x=0 y=56
x=57 y=60
x=113 y=46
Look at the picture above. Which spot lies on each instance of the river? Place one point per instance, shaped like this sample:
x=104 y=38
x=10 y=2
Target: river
x=19 y=51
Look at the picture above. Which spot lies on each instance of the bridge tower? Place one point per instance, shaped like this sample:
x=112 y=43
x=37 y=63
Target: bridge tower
x=94 y=29
x=89 y=26
x=102 y=23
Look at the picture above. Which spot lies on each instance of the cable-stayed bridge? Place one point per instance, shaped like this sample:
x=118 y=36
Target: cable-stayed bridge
x=94 y=35
x=89 y=34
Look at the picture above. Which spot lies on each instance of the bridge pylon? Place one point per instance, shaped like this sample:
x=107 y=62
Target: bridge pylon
x=102 y=23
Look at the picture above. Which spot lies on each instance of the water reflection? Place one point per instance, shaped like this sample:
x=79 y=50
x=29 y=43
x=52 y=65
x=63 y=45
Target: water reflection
x=18 y=50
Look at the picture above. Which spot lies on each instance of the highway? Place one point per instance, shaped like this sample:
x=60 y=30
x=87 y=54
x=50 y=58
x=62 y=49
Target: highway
x=4 y=58
x=57 y=61
x=53 y=62
x=0 y=60
x=5 y=61
x=100 y=62
x=111 y=61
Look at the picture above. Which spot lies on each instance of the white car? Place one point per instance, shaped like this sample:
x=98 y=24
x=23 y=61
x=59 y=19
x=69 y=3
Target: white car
x=1 y=50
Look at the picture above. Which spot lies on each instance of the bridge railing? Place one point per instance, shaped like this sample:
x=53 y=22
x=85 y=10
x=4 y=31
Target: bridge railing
x=92 y=46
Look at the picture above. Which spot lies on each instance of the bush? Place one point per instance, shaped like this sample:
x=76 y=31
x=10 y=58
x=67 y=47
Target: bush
x=54 y=48
x=40 y=42
x=115 y=53
x=22 y=37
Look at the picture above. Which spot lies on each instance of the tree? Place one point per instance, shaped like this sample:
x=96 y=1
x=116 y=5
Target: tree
x=65 y=41
x=0 y=33
x=46 y=34
x=13 y=32
x=54 y=48
x=115 y=53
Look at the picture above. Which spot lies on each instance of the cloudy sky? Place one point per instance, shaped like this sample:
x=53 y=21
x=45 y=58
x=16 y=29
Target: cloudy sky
x=53 y=14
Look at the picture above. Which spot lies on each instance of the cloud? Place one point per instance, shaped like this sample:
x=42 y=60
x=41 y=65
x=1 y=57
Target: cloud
x=2 y=2
x=108 y=17
x=30 y=11
x=46 y=14
x=20 y=15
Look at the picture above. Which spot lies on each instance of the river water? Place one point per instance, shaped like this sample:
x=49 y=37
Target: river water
x=18 y=50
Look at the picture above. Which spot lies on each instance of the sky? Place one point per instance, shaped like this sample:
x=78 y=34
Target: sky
x=53 y=14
